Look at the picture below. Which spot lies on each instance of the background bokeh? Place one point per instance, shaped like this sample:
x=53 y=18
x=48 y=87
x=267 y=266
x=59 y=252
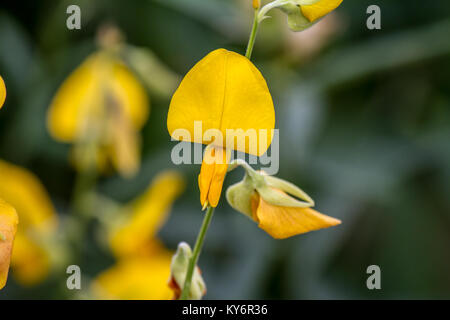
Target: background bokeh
x=364 y=119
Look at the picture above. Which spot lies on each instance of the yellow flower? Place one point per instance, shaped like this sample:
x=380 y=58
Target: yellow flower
x=101 y=103
x=2 y=92
x=38 y=220
x=267 y=200
x=143 y=267
x=302 y=14
x=223 y=91
x=319 y=8
x=8 y=227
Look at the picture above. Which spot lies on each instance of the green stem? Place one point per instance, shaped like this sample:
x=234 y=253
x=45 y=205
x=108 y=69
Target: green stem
x=251 y=40
x=196 y=253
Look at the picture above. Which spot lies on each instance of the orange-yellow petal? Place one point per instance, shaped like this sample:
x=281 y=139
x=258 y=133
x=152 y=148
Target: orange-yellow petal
x=30 y=261
x=2 y=92
x=224 y=91
x=319 y=9
x=212 y=174
x=142 y=278
x=8 y=227
x=284 y=222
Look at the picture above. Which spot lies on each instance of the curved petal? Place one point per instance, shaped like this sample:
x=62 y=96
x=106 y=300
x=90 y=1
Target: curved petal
x=8 y=227
x=2 y=92
x=212 y=174
x=224 y=91
x=284 y=222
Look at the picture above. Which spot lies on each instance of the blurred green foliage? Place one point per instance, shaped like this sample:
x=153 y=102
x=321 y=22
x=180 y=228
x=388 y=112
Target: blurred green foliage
x=364 y=129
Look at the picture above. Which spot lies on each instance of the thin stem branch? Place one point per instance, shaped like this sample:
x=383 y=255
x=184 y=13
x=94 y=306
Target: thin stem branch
x=196 y=253
x=251 y=40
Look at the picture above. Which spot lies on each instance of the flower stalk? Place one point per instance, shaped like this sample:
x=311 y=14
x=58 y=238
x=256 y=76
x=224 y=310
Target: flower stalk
x=251 y=40
x=196 y=253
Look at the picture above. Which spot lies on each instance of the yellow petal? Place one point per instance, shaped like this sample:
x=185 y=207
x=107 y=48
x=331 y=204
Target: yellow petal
x=224 y=91
x=99 y=80
x=2 y=92
x=148 y=214
x=8 y=227
x=138 y=279
x=284 y=222
x=30 y=262
x=23 y=190
x=212 y=174
x=319 y=9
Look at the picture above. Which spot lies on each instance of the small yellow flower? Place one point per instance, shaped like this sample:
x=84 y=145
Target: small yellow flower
x=2 y=92
x=302 y=14
x=223 y=91
x=38 y=220
x=273 y=204
x=284 y=222
x=8 y=227
x=319 y=8
x=101 y=103
x=143 y=263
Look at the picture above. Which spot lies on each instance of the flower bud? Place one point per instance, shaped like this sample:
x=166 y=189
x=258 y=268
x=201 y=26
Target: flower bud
x=274 y=191
x=302 y=14
x=178 y=270
x=239 y=196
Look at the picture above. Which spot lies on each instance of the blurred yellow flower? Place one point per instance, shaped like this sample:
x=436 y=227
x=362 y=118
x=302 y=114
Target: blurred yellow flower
x=142 y=270
x=143 y=278
x=8 y=227
x=101 y=104
x=2 y=92
x=134 y=236
x=38 y=220
x=223 y=91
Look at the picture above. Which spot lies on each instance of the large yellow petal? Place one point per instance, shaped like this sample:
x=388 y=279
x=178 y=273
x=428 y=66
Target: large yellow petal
x=30 y=261
x=148 y=214
x=224 y=91
x=136 y=279
x=319 y=9
x=8 y=227
x=23 y=190
x=2 y=92
x=284 y=222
